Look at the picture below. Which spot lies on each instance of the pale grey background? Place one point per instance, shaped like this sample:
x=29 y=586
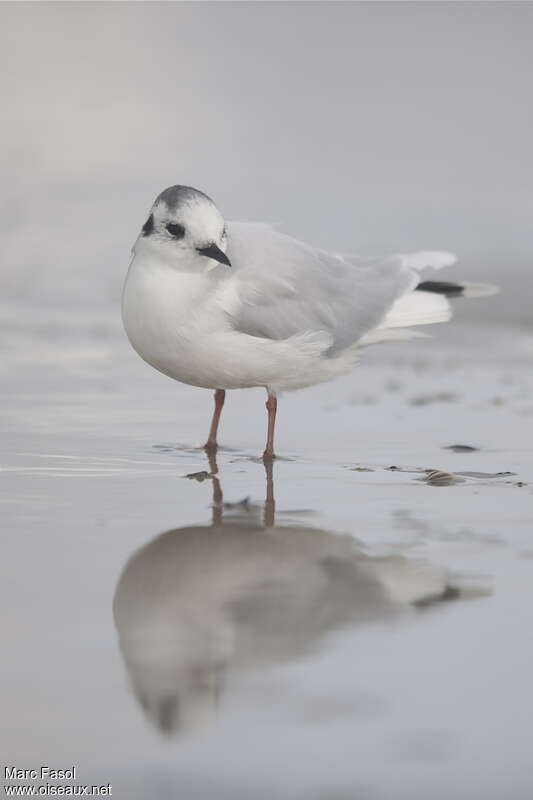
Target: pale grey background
x=358 y=126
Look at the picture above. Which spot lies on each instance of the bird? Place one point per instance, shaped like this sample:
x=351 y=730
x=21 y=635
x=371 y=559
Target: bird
x=233 y=305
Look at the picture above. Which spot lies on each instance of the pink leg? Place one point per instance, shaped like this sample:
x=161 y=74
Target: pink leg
x=211 y=444
x=271 y=406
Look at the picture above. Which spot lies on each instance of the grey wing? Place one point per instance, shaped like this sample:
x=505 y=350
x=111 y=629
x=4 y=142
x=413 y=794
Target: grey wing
x=280 y=287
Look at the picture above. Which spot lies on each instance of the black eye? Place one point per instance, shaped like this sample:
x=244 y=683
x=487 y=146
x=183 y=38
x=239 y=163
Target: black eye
x=176 y=230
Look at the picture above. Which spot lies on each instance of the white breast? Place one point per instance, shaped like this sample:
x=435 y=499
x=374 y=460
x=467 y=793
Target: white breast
x=166 y=314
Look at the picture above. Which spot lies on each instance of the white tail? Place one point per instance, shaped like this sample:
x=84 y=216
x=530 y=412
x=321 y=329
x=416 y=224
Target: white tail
x=414 y=308
x=479 y=289
x=426 y=304
x=417 y=308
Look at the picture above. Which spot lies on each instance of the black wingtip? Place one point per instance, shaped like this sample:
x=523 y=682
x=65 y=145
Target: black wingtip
x=446 y=288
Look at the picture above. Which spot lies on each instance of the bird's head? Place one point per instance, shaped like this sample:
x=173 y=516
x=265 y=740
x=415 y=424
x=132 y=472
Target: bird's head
x=185 y=229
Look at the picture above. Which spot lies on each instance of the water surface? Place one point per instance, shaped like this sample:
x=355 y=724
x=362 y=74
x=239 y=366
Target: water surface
x=336 y=629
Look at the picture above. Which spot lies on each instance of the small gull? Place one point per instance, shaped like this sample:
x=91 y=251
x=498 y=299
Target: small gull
x=237 y=305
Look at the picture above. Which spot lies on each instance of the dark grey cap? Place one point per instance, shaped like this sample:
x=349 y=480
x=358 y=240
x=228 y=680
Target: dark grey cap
x=176 y=196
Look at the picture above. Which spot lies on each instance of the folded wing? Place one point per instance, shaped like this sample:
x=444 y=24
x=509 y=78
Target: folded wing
x=280 y=287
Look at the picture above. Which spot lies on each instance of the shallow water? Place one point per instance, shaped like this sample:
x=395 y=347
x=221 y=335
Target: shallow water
x=371 y=640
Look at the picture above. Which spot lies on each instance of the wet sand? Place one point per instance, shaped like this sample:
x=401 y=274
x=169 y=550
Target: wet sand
x=374 y=642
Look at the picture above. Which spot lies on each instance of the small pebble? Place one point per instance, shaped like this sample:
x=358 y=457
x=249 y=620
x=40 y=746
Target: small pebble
x=435 y=477
x=199 y=476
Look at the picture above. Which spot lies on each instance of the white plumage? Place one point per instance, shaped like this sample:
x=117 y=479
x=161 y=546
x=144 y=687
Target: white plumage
x=282 y=315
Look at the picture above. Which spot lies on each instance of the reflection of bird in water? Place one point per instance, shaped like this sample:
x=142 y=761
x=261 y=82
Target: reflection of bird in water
x=199 y=602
